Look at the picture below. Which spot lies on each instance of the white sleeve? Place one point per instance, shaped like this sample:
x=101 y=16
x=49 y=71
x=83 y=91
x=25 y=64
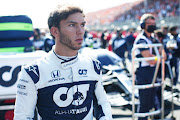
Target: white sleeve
x=102 y=101
x=26 y=97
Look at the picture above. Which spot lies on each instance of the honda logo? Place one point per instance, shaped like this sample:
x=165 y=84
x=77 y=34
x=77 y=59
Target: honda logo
x=55 y=74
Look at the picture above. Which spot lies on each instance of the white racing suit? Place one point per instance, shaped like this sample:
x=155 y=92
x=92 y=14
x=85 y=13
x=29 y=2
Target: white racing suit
x=62 y=90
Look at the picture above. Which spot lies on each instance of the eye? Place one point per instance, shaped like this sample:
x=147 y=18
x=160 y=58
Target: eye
x=72 y=25
x=83 y=24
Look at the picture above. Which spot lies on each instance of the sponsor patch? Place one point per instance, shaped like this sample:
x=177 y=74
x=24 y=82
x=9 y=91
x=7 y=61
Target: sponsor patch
x=72 y=111
x=83 y=72
x=55 y=74
x=26 y=81
x=57 y=79
x=21 y=86
x=22 y=93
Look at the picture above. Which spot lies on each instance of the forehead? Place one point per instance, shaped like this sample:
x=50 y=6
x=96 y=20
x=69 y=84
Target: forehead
x=75 y=17
x=150 y=20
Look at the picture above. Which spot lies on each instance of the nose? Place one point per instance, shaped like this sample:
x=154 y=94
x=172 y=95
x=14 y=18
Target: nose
x=80 y=29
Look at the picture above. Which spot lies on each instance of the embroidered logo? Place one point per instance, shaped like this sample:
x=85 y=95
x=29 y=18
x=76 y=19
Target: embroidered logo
x=82 y=72
x=64 y=96
x=33 y=69
x=55 y=74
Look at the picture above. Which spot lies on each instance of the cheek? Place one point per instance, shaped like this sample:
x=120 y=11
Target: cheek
x=69 y=31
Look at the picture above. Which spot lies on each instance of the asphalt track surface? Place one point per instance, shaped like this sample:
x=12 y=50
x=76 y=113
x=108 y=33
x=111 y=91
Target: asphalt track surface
x=125 y=112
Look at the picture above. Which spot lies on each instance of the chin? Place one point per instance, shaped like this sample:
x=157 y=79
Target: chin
x=77 y=48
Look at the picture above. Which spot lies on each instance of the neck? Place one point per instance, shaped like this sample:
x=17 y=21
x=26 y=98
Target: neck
x=147 y=33
x=63 y=52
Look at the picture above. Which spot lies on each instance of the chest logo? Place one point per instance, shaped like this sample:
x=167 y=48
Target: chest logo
x=82 y=72
x=75 y=95
x=55 y=74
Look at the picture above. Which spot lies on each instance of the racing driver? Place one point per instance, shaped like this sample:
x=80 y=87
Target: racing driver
x=63 y=85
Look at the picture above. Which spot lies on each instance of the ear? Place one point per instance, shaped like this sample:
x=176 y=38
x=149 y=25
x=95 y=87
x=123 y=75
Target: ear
x=54 y=31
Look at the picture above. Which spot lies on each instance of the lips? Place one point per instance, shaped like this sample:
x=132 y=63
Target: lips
x=79 y=40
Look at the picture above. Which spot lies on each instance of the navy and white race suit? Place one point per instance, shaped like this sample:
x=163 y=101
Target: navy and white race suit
x=62 y=90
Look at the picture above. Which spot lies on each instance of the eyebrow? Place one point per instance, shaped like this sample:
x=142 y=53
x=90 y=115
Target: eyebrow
x=75 y=22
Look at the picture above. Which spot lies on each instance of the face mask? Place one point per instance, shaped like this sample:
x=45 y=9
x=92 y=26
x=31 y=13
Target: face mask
x=151 y=28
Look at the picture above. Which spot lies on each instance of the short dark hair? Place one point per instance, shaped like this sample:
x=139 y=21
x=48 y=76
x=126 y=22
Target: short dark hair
x=159 y=33
x=37 y=30
x=173 y=28
x=62 y=12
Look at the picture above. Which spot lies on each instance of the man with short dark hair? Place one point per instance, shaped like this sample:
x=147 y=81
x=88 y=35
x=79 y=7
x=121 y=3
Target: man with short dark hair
x=63 y=85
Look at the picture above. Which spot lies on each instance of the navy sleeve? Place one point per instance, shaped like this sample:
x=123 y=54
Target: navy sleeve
x=97 y=66
x=142 y=41
x=33 y=72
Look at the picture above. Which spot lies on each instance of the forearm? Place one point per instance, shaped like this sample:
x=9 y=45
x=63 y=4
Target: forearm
x=103 y=102
x=26 y=97
x=147 y=53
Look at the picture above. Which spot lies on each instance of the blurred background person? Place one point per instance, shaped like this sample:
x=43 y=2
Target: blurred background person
x=175 y=51
x=48 y=44
x=160 y=36
x=104 y=40
x=119 y=45
x=129 y=42
x=38 y=41
x=165 y=31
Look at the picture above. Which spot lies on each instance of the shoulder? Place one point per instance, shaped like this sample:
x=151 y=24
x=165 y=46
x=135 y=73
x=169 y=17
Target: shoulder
x=97 y=66
x=33 y=70
x=94 y=63
x=141 y=39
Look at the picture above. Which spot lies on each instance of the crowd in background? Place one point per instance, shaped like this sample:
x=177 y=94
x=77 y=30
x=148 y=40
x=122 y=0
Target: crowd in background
x=159 y=8
x=104 y=38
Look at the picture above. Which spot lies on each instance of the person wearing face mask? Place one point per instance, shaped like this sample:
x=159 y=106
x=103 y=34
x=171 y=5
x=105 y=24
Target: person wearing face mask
x=145 y=70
